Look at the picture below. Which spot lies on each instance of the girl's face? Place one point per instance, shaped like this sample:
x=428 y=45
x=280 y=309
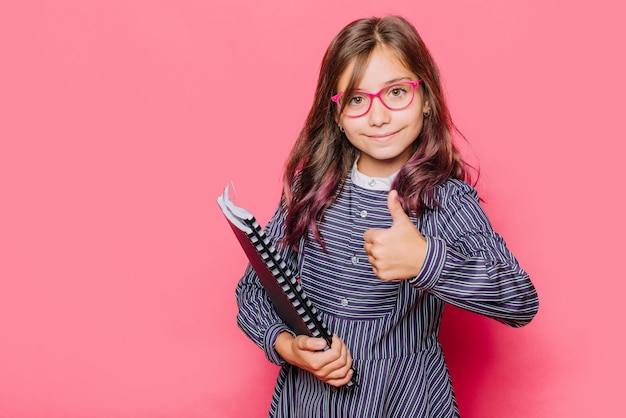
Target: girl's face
x=383 y=136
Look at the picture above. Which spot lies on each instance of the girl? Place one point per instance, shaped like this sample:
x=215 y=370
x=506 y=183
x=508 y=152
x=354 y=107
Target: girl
x=384 y=231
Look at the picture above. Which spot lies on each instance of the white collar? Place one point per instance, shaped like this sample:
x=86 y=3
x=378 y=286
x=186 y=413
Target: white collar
x=372 y=183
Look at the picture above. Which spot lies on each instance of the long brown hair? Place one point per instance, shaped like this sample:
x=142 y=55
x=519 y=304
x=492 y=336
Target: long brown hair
x=322 y=157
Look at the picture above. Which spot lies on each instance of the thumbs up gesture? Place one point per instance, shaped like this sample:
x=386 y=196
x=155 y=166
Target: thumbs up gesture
x=396 y=253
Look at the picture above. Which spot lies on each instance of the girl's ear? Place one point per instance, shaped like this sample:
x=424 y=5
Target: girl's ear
x=426 y=109
x=338 y=118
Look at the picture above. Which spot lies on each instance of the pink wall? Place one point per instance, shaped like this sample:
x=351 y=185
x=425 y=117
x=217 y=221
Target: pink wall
x=121 y=121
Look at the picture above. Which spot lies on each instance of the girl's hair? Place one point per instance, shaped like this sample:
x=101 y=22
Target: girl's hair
x=322 y=157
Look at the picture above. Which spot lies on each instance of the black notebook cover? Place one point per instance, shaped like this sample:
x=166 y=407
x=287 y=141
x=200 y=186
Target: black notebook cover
x=282 y=287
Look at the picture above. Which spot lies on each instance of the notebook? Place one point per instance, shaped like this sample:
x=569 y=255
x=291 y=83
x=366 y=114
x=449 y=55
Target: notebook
x=281 y=285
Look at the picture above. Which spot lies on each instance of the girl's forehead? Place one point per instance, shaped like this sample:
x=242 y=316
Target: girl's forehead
x=382 y=67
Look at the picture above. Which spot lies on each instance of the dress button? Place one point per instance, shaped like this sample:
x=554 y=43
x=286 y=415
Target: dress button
x=344 y=302
x=372 y=182
x=363 y=213
x=355 y=260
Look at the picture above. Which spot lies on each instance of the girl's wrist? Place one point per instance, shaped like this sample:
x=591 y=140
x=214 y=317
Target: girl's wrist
x=283 y=345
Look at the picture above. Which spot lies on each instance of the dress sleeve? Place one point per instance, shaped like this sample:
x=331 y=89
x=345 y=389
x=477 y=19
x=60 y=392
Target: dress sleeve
x=257 y=317
x=468 y=265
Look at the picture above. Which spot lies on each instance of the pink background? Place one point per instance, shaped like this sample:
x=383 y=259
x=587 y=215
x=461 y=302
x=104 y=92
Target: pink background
x=121 y=122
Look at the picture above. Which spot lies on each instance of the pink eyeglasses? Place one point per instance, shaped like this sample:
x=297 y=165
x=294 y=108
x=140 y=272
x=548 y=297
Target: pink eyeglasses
x=394 y=96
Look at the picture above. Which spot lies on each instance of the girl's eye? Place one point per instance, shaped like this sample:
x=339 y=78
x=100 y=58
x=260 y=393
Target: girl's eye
x=397 y=91
x=357 y=100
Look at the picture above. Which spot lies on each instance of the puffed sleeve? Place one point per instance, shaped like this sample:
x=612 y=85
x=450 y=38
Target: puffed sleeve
x=468 y=265
x=257 y=317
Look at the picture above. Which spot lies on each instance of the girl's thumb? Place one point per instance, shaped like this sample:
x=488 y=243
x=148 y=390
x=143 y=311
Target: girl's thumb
x=394 y=206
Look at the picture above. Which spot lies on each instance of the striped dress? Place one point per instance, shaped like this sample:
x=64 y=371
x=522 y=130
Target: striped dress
x=390 y=328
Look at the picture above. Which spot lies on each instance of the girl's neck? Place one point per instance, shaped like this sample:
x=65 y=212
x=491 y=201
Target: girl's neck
x=371 y=182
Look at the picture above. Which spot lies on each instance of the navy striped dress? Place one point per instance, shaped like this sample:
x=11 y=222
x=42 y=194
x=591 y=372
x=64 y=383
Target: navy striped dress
x=390 y=328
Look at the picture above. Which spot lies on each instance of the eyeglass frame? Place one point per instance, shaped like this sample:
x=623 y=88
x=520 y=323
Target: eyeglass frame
x=336 y=98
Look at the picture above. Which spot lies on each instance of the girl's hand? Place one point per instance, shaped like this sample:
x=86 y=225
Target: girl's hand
x=332 y=366
x=396 y=253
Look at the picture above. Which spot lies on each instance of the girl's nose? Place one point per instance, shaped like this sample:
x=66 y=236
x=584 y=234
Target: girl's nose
x=378 y=114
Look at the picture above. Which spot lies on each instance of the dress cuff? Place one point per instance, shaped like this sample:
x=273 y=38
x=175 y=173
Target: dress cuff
x=270 y=340
x=436 y=251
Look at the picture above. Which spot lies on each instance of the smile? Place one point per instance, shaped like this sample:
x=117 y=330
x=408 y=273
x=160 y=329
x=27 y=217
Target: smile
x=383 y=137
